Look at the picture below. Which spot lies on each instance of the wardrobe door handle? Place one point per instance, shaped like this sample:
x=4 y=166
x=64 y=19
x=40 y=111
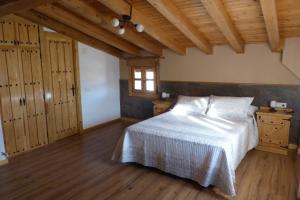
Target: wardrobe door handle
x=20 y=101
x=24 y=101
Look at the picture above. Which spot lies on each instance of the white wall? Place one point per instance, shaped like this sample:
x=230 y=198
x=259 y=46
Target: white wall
x=99 y=79
x=291 y=55
x=2 y=147
x=257 y=65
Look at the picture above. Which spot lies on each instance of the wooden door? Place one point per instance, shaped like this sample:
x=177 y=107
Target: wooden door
x=33 y=100
x=12 y=108
x=61 y=102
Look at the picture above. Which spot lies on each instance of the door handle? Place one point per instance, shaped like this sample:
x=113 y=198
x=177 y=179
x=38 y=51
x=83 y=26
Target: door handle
x=46 y=108
x=73 y=90
x=20 y=101
x=24 y=101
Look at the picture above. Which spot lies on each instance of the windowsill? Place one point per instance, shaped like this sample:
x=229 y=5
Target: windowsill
x=148 y=96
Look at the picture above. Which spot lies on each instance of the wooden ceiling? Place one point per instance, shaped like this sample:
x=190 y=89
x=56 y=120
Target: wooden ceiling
x=172 y=24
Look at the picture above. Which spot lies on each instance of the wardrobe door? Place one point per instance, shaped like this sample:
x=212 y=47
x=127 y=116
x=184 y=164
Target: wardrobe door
x=62 y=102
x=33 y=100
x=39 y=99
x=28 y=100
x=7 y=32
x=6 y=107
x=13 y=117
x=15 y=82
x=27 y=34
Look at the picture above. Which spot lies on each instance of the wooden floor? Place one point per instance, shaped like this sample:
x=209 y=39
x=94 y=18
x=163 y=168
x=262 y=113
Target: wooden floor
x=79 y=167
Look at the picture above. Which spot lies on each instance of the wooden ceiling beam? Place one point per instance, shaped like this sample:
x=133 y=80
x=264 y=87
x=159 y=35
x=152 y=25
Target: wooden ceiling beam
x=271 y=20
x=218 y=13
x=61 y=14
x=14 y=6
x=103 y=19
x=121 y=8
x=59 y=27
x=178 y=19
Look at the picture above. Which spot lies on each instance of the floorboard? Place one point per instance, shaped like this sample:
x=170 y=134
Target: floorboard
x=79 y=167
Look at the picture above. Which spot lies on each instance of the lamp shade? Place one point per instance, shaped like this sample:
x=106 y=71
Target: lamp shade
x=121 y=31
x=115 y=22
x=139 y=28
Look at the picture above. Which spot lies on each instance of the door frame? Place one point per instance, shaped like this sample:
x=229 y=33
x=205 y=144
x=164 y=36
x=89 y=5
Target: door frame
x=77 y=83
x=47 y=73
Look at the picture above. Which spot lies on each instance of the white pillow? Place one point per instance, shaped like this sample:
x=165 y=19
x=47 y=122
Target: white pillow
x=229 y=107
x=191 y=105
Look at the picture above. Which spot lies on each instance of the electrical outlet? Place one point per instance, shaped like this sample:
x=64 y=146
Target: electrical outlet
x=275 y=104
x=281 y=105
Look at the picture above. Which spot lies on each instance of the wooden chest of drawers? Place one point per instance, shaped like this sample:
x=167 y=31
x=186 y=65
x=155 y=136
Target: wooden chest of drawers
x=161 y=106
x=273 y=127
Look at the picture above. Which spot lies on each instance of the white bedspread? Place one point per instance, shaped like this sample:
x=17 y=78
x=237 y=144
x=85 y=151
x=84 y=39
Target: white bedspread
x=204 y=149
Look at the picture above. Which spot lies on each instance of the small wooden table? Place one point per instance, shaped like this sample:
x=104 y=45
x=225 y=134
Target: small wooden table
x=161 y=106
x=274 y=128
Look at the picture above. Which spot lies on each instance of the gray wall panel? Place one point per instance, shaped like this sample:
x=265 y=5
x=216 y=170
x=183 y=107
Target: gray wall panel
x=141 y=108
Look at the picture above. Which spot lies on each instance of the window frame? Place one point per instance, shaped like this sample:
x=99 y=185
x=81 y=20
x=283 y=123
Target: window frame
x=143 y=92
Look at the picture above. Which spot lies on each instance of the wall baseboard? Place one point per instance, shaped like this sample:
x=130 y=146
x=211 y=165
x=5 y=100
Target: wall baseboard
x=293 y=146
x=130 y=119
x=3 y=162
x=93 y=128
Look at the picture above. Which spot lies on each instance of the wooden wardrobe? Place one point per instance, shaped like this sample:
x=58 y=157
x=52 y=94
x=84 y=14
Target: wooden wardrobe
x=37 y=86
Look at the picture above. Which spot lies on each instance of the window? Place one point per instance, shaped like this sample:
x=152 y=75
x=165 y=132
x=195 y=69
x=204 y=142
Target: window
x=143 y=81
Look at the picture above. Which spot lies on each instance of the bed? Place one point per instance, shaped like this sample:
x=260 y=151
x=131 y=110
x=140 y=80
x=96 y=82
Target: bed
x=197 y=146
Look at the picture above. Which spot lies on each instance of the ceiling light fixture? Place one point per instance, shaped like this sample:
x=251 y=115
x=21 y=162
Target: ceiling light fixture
x=125 y=21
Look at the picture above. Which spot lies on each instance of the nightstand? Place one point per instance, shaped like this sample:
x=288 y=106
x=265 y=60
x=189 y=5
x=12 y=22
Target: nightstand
x=161 y=106
x=274 y=128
